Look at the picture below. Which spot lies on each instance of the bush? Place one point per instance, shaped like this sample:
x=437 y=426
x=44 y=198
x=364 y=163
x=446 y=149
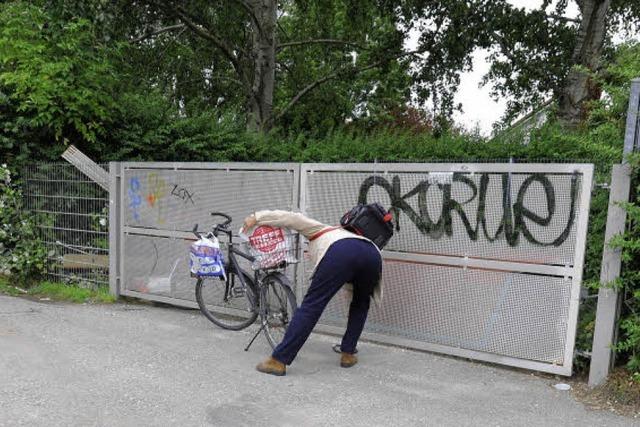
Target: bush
x=22 y=255
x=56 y=82
x=629 y=284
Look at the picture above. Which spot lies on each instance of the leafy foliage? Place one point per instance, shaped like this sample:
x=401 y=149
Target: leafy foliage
x=22 y=255
x=607 y=123
x=629 y=243
x=54 y=78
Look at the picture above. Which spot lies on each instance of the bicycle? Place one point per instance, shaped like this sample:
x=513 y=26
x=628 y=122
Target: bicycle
x=231 y=302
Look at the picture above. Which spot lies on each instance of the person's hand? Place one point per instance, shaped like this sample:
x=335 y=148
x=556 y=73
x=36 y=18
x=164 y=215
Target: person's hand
x=249 y=222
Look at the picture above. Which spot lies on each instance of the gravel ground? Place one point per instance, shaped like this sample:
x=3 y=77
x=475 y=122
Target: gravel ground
x=139 y=365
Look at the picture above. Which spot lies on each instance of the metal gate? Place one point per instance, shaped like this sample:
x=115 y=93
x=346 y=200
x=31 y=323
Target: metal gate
x=486 y=261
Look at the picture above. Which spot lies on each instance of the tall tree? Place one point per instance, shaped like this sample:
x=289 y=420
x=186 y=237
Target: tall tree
x=281 y=55
x=578 y=87
x=250 y=35
x=535 y=55
x=312 y=65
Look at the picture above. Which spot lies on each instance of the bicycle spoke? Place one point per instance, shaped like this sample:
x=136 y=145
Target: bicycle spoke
x=227 y=303
x=279 y=304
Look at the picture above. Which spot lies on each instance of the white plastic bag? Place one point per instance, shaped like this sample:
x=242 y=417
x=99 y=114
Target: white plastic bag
x=205 y=258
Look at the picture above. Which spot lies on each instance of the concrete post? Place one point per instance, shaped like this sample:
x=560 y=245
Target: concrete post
x=609 y=298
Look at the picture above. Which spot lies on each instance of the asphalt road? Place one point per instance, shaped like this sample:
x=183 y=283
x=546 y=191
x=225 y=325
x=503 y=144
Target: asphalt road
x=138 y=365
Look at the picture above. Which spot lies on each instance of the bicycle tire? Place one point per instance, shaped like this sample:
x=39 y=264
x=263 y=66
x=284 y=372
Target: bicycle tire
x=279 y=304
x=231 y=314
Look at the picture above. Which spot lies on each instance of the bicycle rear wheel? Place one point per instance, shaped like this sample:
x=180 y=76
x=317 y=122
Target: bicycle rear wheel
x=227 y=303
x=279 y=304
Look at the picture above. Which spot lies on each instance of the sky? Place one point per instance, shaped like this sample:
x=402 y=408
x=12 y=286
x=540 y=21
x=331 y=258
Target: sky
x=478 y=107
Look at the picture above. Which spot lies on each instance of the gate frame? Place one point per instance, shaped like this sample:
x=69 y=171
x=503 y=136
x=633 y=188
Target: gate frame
x=575 y=272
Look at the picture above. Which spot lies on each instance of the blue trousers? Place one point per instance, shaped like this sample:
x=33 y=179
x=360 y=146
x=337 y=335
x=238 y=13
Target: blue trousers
x=353 y=261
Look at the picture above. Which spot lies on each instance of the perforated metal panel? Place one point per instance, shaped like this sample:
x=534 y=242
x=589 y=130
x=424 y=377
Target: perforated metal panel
x=176 y=199
x=486 y=260
x=463 y=217
x=161 y=203
x=158 y=265
x=517 y=315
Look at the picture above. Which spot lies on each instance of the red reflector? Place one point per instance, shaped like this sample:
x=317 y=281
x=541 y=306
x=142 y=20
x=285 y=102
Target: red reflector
x=388 y=217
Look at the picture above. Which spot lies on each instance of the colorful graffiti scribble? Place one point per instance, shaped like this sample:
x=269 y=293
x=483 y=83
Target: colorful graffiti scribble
x=157 y=190
x=135 y=199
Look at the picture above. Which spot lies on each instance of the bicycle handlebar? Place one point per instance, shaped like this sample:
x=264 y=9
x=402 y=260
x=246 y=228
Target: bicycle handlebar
x=219 y=227
x=228 y=218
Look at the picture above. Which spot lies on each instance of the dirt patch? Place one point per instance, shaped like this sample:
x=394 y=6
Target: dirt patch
x=620 y=394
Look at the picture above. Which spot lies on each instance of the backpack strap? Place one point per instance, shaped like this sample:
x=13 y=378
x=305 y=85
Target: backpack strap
x=321 y=232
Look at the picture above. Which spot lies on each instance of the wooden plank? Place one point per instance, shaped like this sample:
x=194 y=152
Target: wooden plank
x=85 y=261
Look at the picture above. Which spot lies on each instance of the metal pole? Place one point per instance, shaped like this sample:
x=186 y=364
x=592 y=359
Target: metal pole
x=115 y=224
x=608 y=309
x=632 y=130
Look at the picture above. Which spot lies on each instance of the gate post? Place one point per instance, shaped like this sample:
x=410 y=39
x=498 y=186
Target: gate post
x=115 y=224
x=608 y=309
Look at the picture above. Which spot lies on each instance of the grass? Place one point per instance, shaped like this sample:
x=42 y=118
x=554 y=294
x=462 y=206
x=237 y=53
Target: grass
x=7 y=289
x=59 y=292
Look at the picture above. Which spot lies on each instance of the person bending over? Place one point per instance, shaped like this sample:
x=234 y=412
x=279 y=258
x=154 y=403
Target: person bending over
x=338 y=257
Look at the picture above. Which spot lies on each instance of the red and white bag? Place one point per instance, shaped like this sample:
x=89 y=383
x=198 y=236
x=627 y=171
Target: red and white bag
x=270 y=246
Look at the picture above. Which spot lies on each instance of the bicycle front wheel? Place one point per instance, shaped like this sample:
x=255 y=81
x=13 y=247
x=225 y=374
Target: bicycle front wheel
x=228 y=304
x=279 y=304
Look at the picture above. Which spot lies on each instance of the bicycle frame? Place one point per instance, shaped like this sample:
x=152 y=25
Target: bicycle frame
x=233 y=262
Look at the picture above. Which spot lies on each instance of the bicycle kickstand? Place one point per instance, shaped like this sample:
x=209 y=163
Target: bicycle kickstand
x=255 y=336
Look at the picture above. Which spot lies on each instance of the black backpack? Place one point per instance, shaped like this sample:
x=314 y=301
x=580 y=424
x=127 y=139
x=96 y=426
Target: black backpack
x=371 y=221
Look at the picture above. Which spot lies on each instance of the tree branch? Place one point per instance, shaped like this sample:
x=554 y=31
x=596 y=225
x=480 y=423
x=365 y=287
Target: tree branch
x=281 y=28
x=318 y=41
x=504 y=47
x=156 y=32
x=250 y=12
x=209 y=35
x=563 y=18
x=338 y=73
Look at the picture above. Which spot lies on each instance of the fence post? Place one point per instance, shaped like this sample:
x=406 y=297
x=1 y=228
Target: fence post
x=608 y=309
x=115 y=222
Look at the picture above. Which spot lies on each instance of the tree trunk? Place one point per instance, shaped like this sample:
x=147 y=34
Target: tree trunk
x=263 y=56
x=578 y=87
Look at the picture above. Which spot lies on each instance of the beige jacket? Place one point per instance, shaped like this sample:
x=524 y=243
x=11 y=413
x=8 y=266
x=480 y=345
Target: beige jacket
x=308 y=227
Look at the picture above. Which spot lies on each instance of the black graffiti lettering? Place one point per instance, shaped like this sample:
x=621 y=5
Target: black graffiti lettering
x=398 y=203
x=451 y=204
x=551 y=208
x=511 y=226
x=183 y=194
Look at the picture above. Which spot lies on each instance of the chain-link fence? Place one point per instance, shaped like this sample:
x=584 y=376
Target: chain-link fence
x=72 y=214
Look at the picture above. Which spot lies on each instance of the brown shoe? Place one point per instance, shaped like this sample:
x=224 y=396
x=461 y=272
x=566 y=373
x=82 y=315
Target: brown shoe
x=347 y=360
x=273 y=367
